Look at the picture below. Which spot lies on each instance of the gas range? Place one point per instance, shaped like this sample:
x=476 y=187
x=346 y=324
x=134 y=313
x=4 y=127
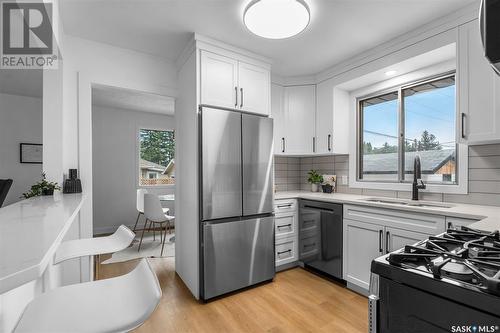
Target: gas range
x=468 y=257
x=445 y=281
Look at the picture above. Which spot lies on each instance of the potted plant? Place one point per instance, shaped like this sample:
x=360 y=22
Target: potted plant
x=314 y=179
x=42 y=187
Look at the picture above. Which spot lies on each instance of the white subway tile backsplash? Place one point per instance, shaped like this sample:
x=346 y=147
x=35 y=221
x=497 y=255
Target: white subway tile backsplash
x=484 y=176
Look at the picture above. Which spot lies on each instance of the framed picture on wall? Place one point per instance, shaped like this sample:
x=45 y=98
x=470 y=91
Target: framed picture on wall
x=31 y=153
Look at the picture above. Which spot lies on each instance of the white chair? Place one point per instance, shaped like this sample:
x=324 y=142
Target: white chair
x=118 y=304
x=118 y=241
x=140 y=206
x=154 y=213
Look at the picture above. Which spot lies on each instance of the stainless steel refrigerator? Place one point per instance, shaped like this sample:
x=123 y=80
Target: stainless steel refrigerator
x=236 y=196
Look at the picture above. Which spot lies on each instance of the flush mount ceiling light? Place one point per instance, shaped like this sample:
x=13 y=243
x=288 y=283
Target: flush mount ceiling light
x=276 y=19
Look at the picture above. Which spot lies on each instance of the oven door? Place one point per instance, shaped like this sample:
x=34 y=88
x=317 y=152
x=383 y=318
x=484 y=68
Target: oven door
x=402 y=308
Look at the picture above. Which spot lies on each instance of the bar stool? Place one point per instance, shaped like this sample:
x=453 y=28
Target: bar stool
x=118 y=241
x=118 y=304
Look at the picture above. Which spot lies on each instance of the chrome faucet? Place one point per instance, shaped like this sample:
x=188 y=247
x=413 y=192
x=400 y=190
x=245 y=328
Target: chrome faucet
x=417 y=175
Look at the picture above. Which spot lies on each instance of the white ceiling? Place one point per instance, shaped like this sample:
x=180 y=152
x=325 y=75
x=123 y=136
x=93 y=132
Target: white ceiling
x=22 y=82
x=339 y=29
x=132 y=100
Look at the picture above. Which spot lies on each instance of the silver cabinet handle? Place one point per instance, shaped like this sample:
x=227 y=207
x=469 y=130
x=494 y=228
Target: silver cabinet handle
x=241 y=98
x=285 y=226
x=329 y=142
x=236 y=96
x=282 y=145
x=314 y=144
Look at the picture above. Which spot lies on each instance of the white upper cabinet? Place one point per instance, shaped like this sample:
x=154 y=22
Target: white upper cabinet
x=219 y=80
x=230 y=83
x=254 y=84
x=278 y=114
x=479 y=90
x=300 y=111
x=324 y=119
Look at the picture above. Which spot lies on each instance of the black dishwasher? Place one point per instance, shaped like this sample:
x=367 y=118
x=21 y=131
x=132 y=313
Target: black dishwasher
x=320 y=236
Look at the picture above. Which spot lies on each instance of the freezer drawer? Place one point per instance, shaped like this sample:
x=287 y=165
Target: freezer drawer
x=237 y=254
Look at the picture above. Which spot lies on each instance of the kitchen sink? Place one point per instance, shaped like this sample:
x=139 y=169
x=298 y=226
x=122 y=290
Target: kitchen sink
x=408 y=203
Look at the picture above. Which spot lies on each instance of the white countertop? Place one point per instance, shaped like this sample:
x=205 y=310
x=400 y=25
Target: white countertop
x=30 y=232
x=488 y=216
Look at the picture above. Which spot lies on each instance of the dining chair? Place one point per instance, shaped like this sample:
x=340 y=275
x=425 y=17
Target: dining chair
x=5 y=185
x=140 y=207
x=155 y=214
x=118 y=304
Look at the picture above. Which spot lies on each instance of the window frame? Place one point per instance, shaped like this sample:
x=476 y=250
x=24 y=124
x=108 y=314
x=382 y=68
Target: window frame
x=138 y=156
x=461 y=185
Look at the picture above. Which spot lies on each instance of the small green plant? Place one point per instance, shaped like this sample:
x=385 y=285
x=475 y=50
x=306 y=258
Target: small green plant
x=42 y=187
x=314 y=177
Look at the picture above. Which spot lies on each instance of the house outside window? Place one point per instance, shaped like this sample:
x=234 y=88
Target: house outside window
x=156 y=157
x=396 y=125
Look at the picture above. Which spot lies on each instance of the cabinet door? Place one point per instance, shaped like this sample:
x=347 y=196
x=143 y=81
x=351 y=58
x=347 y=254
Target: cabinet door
x=278 y=114
x=300 y=105
x=254 y=84
x=396 y=239
x=324 y=118
x=479 y=90
x=363 y=242
x=219 y=80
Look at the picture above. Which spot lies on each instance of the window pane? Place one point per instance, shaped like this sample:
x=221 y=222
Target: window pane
x=156 y=165
x=379 y=140
x=429 y=111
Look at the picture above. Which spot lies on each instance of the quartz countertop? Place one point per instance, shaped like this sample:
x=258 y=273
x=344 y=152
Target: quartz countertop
x=488 y=216
x=30 y=232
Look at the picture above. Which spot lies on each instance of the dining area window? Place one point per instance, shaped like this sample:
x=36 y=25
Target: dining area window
x=156 y=157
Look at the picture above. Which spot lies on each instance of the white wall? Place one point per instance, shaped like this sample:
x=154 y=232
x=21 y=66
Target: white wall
x=20 y=121
x=115 y=166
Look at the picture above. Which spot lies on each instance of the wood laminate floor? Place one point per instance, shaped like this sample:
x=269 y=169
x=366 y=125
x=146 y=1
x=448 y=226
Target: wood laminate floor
x=297 y=301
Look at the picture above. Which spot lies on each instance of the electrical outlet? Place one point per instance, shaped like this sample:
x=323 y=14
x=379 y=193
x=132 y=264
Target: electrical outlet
x=343 y=180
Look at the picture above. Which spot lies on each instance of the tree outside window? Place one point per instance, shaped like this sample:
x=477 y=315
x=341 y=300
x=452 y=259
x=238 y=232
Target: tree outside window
x=157 y=152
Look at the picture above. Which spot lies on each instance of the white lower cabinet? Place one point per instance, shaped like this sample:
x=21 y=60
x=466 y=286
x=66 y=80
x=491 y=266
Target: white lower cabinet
x=362 y=244
x=371 y=232
x=286 y=235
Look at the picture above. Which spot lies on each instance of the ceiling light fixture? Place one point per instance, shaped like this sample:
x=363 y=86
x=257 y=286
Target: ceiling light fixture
x=276 y=19
x=391 y=73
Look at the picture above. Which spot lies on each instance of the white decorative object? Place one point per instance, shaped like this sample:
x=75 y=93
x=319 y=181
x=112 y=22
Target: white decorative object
x=314 y=187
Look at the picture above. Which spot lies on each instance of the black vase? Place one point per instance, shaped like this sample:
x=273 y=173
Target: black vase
x=48 y=191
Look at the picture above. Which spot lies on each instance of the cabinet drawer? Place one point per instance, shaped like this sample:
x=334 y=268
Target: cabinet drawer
x=285 y=206
x=285 y=224
x=286 y=251
x=412 y=221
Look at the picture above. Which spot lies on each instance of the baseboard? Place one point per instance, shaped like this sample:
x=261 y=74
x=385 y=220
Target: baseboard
x=357 y=289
